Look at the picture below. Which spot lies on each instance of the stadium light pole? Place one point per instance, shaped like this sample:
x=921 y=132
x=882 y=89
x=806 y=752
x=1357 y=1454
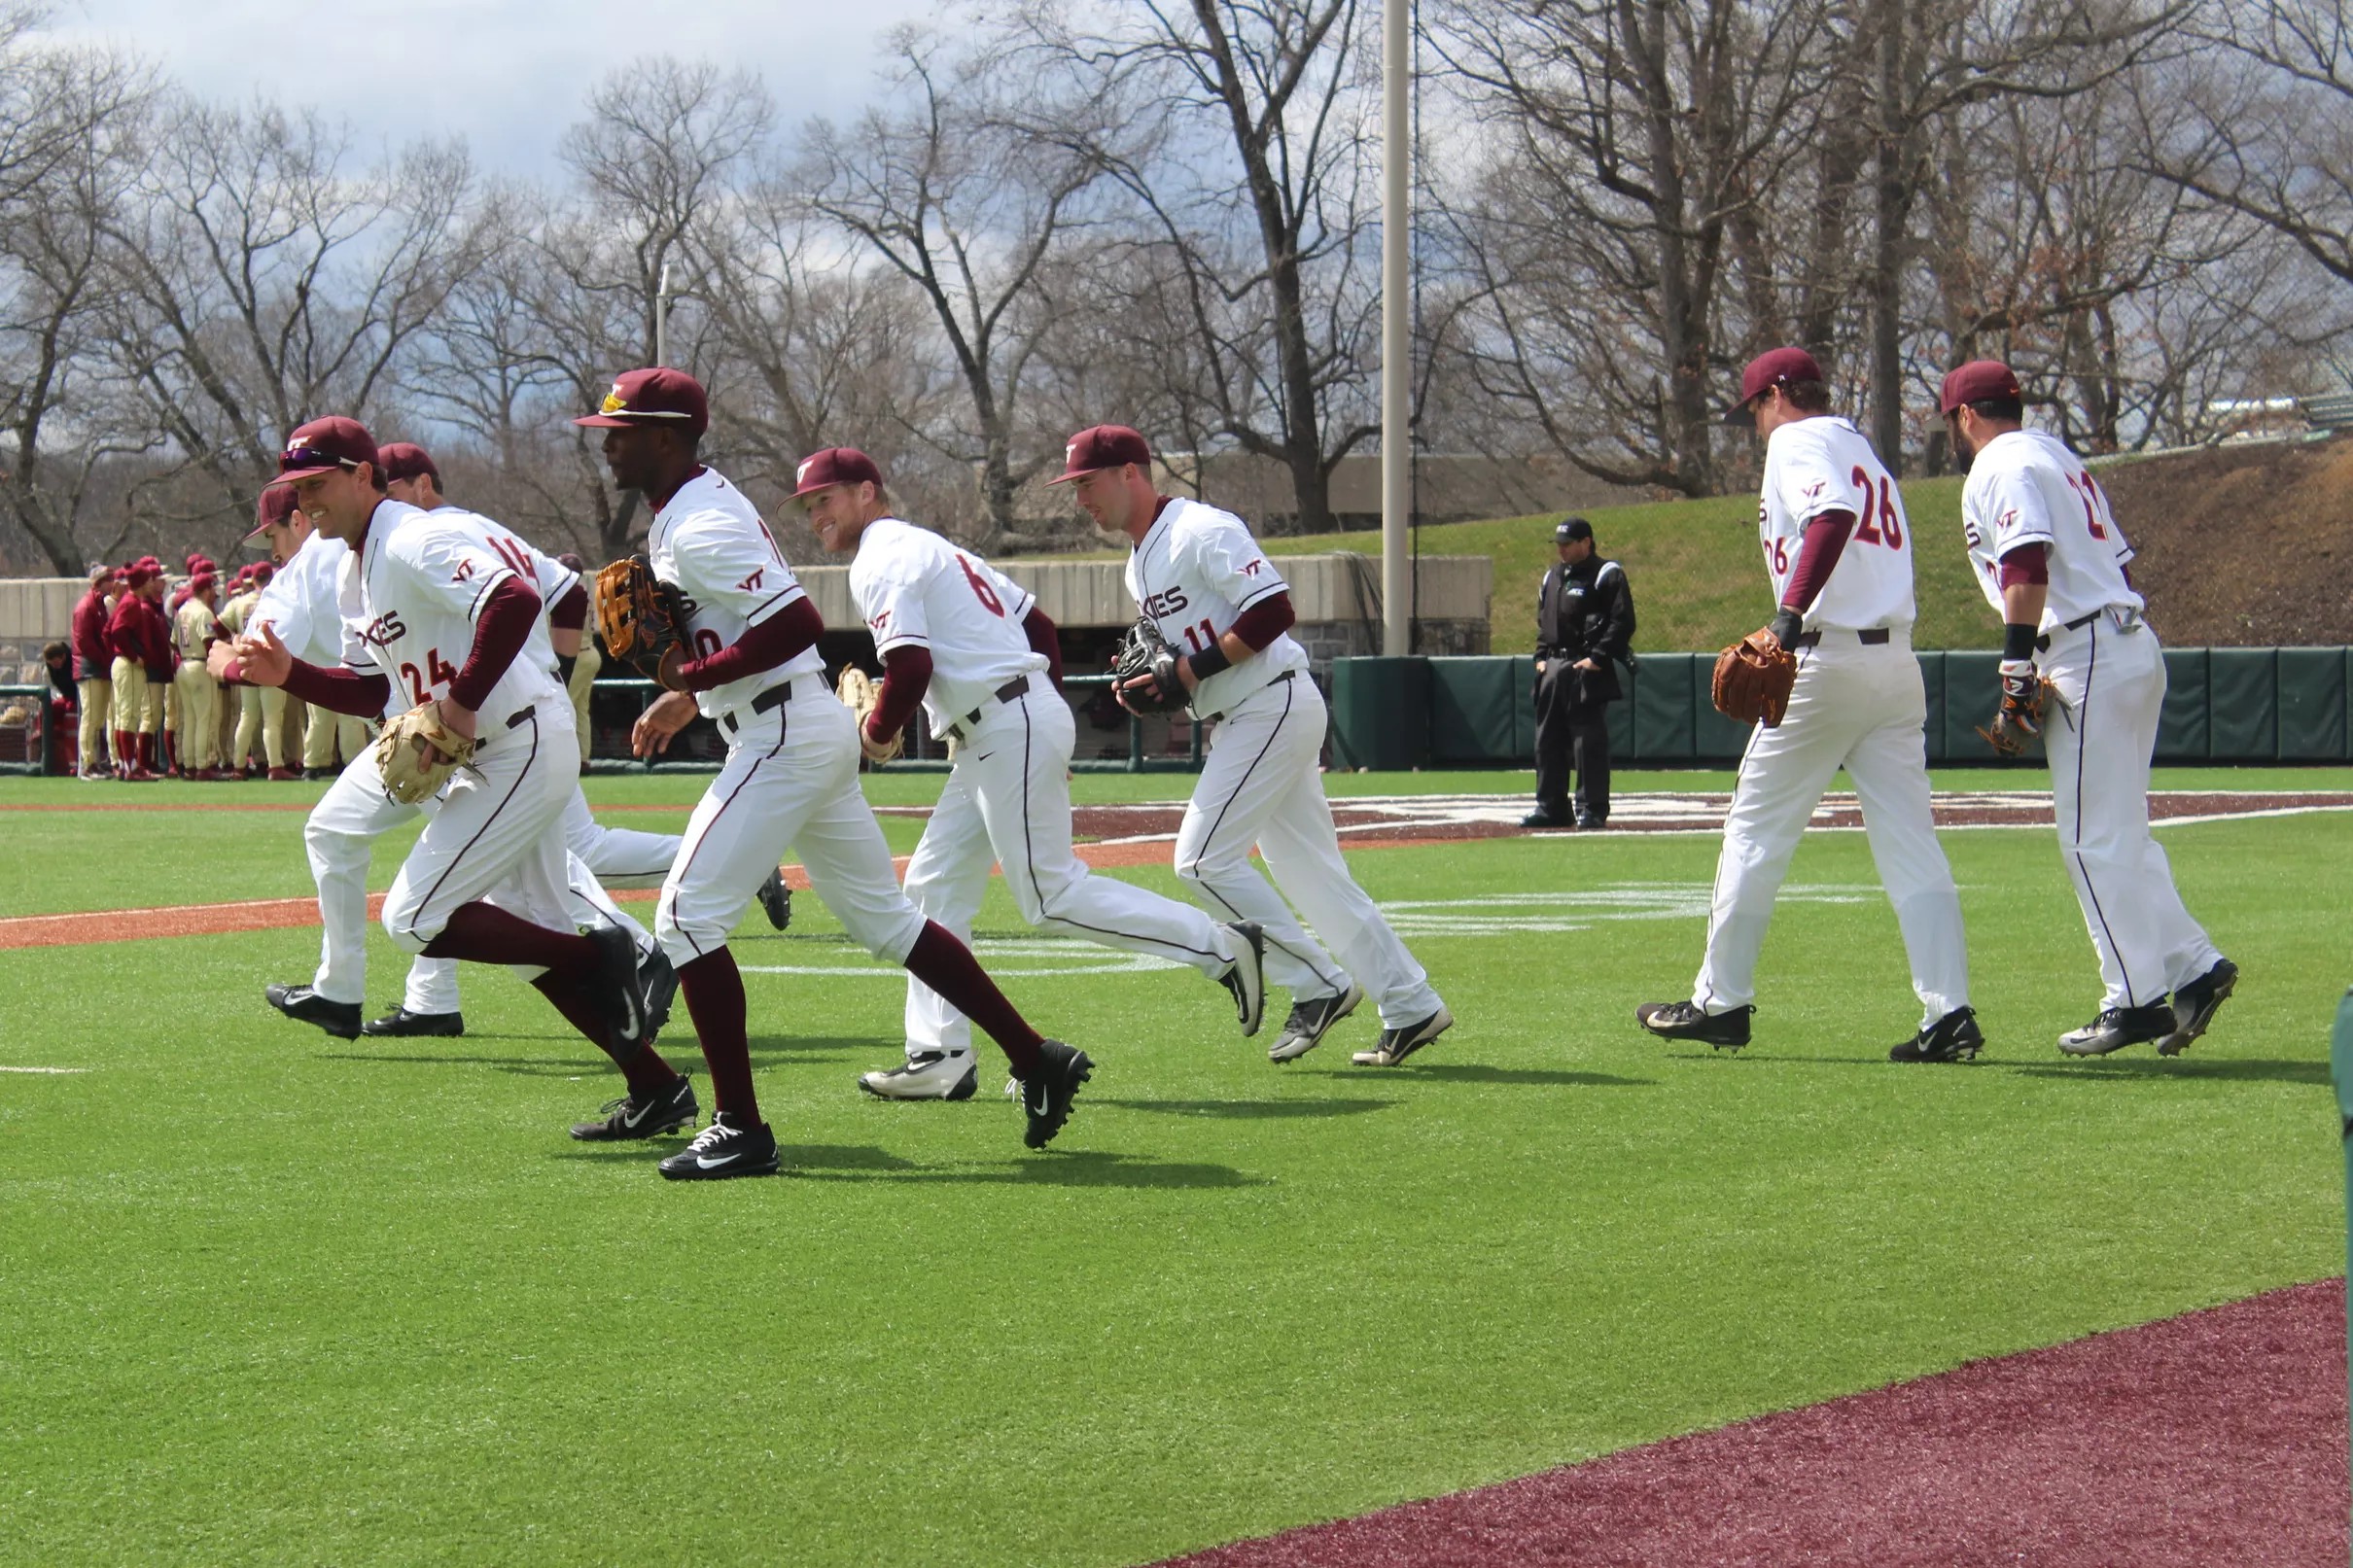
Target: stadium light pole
x=1396 y=342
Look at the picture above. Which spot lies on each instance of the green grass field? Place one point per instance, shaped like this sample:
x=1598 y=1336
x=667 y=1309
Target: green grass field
x=1698 y=581
x=276 y=1298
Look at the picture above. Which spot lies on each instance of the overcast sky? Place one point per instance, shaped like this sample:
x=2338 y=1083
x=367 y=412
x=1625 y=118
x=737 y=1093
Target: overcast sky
x=509 y=75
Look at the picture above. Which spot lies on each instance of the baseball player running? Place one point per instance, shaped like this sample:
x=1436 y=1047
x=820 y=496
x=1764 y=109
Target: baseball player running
x=430 y=611
x=1197 y=575
x=974 y=649
x=1838 y=552
x=747 y=657
x=2051 y=561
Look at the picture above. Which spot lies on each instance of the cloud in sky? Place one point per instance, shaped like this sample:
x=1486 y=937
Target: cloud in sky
x=507 y=75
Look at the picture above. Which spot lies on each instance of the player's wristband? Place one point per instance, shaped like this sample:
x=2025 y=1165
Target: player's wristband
x=2017 y=640
x=1786 y=626
x=1209 y=661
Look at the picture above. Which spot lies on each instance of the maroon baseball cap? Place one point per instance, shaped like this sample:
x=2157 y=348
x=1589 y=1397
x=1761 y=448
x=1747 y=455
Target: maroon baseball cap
x=201 y=581
x=654 y=395
x=139 y=576
x=406 y=460
x=1774 y=368
x=324 y=446
x=274 y=506
x=835 y=465
x=1975 y=382
x=263 y=572
x=1102 y=446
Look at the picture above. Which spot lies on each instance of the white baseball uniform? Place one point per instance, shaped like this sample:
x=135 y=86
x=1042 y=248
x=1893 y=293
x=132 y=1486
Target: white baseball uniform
x=790 y=778
x=354 y=811
x=410 y=598
x=2025 y=487
x=1858 y=704
x=299 y=603
x=1007 y=799
x=1194 y=572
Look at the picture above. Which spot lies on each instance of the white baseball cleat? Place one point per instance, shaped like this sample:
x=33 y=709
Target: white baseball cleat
x=1309 y=1021
x=926 y=1075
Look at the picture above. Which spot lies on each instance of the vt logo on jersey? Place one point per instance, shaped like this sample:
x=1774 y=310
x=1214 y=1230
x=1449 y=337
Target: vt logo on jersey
x=751 y=583
x=1167 y=601
x=1252 y=569
x=385 y=630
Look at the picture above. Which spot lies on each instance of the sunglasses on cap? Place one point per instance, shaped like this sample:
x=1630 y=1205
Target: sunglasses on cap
x=310 y=457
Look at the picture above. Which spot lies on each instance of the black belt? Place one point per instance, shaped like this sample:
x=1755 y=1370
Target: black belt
x=774 y=697
x=2042 y=643
x=1212 y=719
x=1018 y=686
x=1870 y=637
x=513 y=720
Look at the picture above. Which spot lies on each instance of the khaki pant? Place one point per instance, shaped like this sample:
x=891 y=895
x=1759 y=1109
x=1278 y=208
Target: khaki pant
x=131 y=712
x=583 y=674
x=261 y=717
x=98 y=702
x=156 y=690
x=326 y=732
x=199 y=729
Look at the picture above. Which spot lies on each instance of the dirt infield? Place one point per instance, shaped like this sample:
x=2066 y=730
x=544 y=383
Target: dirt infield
x=2214 y=1438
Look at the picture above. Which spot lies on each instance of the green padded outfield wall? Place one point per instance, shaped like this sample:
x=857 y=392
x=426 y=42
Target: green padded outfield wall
x=2222 y=705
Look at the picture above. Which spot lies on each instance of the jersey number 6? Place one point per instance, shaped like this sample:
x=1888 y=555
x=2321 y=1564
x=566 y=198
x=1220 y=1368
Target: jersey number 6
x=1890 y=529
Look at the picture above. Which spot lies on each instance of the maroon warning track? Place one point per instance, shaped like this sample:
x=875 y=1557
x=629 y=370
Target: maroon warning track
x=2214 y=1438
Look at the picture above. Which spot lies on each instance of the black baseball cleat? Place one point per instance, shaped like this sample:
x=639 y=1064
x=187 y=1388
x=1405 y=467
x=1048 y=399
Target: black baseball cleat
x=2119 y=1026
x=1955 y=1037
x=723 y=1150
x=1046 y=1094
x=1395 y=1045
x=1682 y=1021
x=1246 y=979
x=616 y=988
x=776 y=900
x=665 y=1110
x=657 y=982
x=2196 y=1005
x=1310 y=1020
x=1546 y=817
x=400 y=1021
x=339 y=1019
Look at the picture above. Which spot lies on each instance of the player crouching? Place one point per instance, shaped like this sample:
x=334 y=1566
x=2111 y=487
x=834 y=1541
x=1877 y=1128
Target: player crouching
x=429 y=609
x=713 y=613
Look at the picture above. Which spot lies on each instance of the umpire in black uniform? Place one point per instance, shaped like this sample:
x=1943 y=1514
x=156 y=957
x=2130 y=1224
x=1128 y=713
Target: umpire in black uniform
x=1584 y=625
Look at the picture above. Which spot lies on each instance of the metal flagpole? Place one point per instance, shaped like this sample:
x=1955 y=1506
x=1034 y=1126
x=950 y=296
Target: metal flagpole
x=1396 y=391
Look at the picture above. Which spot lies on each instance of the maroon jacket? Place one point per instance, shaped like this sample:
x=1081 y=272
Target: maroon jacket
x=162 y=662
x=92 y=659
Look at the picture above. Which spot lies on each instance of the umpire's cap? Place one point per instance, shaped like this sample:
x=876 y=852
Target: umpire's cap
x=1572 y=529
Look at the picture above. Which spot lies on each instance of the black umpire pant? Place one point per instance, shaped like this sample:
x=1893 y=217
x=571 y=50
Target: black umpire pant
x=1570 y=731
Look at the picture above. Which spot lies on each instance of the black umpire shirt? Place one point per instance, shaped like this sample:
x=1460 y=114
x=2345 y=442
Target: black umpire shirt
x=1586 y=612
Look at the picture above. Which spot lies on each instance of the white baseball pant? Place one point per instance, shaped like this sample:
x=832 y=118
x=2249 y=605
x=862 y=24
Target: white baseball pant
x=1861 y=708
x=1260 y=786
x=617 y=856
x=1007 y=801
x=790 y=781
x=2110 y=680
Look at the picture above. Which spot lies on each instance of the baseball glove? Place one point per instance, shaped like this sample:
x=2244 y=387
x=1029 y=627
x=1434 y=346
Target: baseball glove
x=2019 y=717
x=417 y=753
x=641 y=616
x=1143 y=651
x=862 y=695
x=1753 y=679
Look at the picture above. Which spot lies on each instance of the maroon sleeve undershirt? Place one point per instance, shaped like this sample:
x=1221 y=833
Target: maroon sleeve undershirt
x=500 y=631
x=342 y=691
x=1264 y=621
x=1044 y=639
x=1826 y=538
x=2026 y=564
x=783 y=636
x=906 y=676
x=571 y=613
